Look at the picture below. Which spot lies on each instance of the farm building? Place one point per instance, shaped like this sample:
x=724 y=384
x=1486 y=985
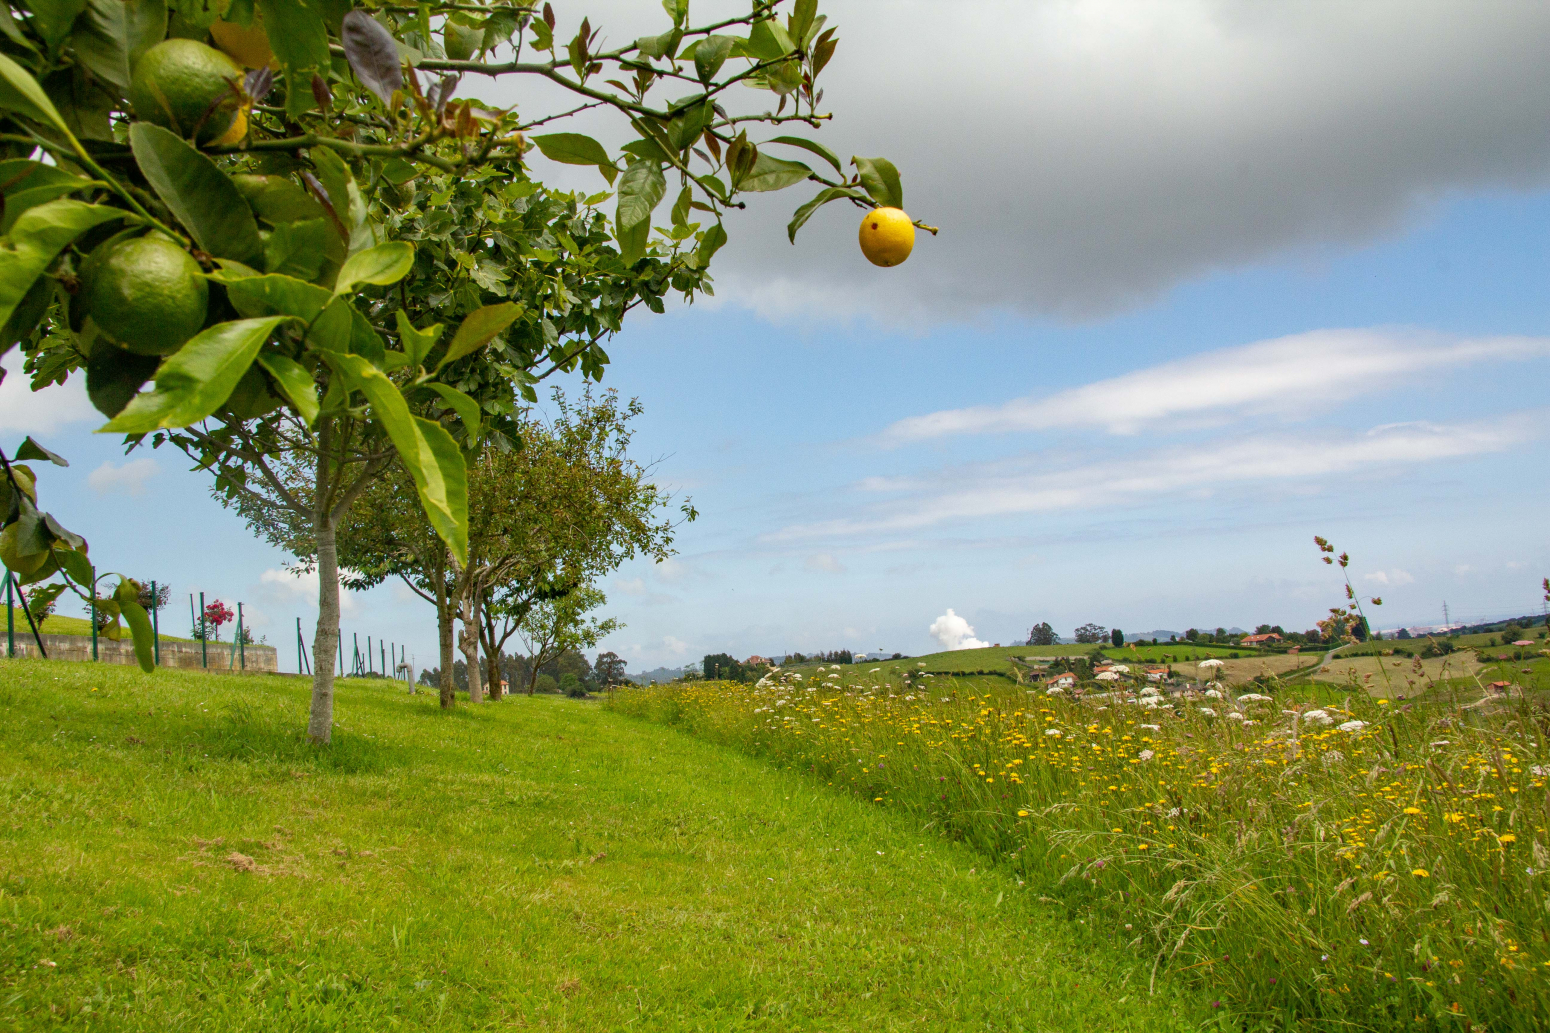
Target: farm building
x=1061 y=681
x=1262 y=640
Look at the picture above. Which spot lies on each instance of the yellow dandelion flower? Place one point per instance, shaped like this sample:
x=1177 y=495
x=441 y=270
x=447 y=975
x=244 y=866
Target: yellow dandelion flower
x=1421 y=873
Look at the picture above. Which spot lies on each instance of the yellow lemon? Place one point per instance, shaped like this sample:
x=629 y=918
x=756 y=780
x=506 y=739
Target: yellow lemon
x=887 y=236
x=249 y=46
x=237 y=132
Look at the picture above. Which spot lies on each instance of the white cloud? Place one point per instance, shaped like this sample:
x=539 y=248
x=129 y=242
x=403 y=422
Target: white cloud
x=824 y=562
x=631 y=586
x=1102 y=152
x=23 y=411
x=129 y=478
x=1390 y=577
x=953 y=632
x=1028 y=485
x=676 y=647
x=1324 y=366
x=300 y=588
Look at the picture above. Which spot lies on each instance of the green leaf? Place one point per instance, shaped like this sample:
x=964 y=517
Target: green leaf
x=710 y=54
x=802 y=20
x=799 y=219
x=28 y=184
x=881 y=180
x=417 y=344
x=294 y=382
x=114 y=376
x=640 y=191
x=127 y=596
x=30 y=449
x=479 y=328
x=678 y=10
x=53 y=19
x=197 y=379
x=298 y=249
x=204 y=200
x=114 y=33
x=466 y=408
x=768 y=40
x=20 y=92
x=381 y=265
x=710 y=242
x=275 y=295
x=577 y=149
x=425 y=448
x=76 y=564
x=35 y=240
x=773 y=174
x=812 y=145
x=297 y=35
x=647 y=148
x=665 y=45
x=344 y=196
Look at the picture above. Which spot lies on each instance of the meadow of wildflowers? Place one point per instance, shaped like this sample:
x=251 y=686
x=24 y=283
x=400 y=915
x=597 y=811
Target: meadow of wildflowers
x=1359 y=864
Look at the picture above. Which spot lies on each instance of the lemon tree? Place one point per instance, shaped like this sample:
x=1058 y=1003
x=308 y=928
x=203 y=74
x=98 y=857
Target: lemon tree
x=318 y=168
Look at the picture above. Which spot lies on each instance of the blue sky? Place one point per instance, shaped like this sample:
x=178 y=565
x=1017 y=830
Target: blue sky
x=1122 y=386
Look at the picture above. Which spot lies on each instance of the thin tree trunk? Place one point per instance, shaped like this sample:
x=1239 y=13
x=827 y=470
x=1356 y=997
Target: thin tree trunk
x=444 y=618
x=320 y=723
x=470 y=643
x=493 y=678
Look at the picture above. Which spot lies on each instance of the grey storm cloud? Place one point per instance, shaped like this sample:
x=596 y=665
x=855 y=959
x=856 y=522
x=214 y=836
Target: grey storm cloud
x=1084 y=157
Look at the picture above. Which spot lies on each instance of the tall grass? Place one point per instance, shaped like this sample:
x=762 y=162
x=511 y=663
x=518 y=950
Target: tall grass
x=1371 y=864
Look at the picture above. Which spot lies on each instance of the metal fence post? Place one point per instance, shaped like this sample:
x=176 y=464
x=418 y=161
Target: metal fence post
x=155 y=625
x=94 y=615
x=242 y=646
x=10 y=618
x=204 y=634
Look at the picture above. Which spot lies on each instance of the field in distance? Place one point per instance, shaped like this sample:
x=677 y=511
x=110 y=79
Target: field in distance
x=998 y=659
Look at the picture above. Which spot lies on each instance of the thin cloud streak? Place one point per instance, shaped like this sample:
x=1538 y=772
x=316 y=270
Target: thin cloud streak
x=1268 y=376
x=1023 y=486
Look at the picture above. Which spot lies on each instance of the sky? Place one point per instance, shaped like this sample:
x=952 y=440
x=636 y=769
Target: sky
x=1212 y=278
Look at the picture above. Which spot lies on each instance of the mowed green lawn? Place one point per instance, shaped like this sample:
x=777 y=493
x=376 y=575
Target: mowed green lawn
x=174 y=857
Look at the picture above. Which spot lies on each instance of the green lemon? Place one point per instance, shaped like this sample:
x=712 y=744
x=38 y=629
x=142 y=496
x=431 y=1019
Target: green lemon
x=146 y=295
x=181 y=83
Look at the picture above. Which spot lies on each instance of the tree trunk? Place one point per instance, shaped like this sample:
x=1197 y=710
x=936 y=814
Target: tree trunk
x=492 y=657
x=321 y=722
x=444 y=619
x=469 y=640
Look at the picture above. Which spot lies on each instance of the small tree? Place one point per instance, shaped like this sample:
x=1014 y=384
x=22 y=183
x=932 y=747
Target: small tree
x=1117 y=637
x=556 y=626
x=1090 y=633
x=1041 y=634
x=609 y=669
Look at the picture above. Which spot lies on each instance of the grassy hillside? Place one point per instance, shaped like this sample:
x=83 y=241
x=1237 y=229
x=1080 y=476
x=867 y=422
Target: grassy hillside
x=175 y=857
x=54 y=624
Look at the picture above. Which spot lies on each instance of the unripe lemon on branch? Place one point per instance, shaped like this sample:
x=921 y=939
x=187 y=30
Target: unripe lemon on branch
x=887 y=236
x=181 y=84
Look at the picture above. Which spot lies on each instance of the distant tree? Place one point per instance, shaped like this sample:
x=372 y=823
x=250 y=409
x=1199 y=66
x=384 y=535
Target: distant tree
x=1220 y=635
x=551 y=629
x=1314 y=636
x=1089 y=633
x=1511 y=633
x=1192 y=635
x=1263 y=629
x=1041 y=634
x=722 y=667
x=1403 y=633
x=572 y=686
x=898 y=656
x=609 y=669
x=1117 y=637
x=839 y=656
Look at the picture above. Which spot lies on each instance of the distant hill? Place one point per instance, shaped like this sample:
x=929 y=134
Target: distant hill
x=661 y=674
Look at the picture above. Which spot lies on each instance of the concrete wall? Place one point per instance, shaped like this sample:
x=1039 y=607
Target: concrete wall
x=258 y=659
